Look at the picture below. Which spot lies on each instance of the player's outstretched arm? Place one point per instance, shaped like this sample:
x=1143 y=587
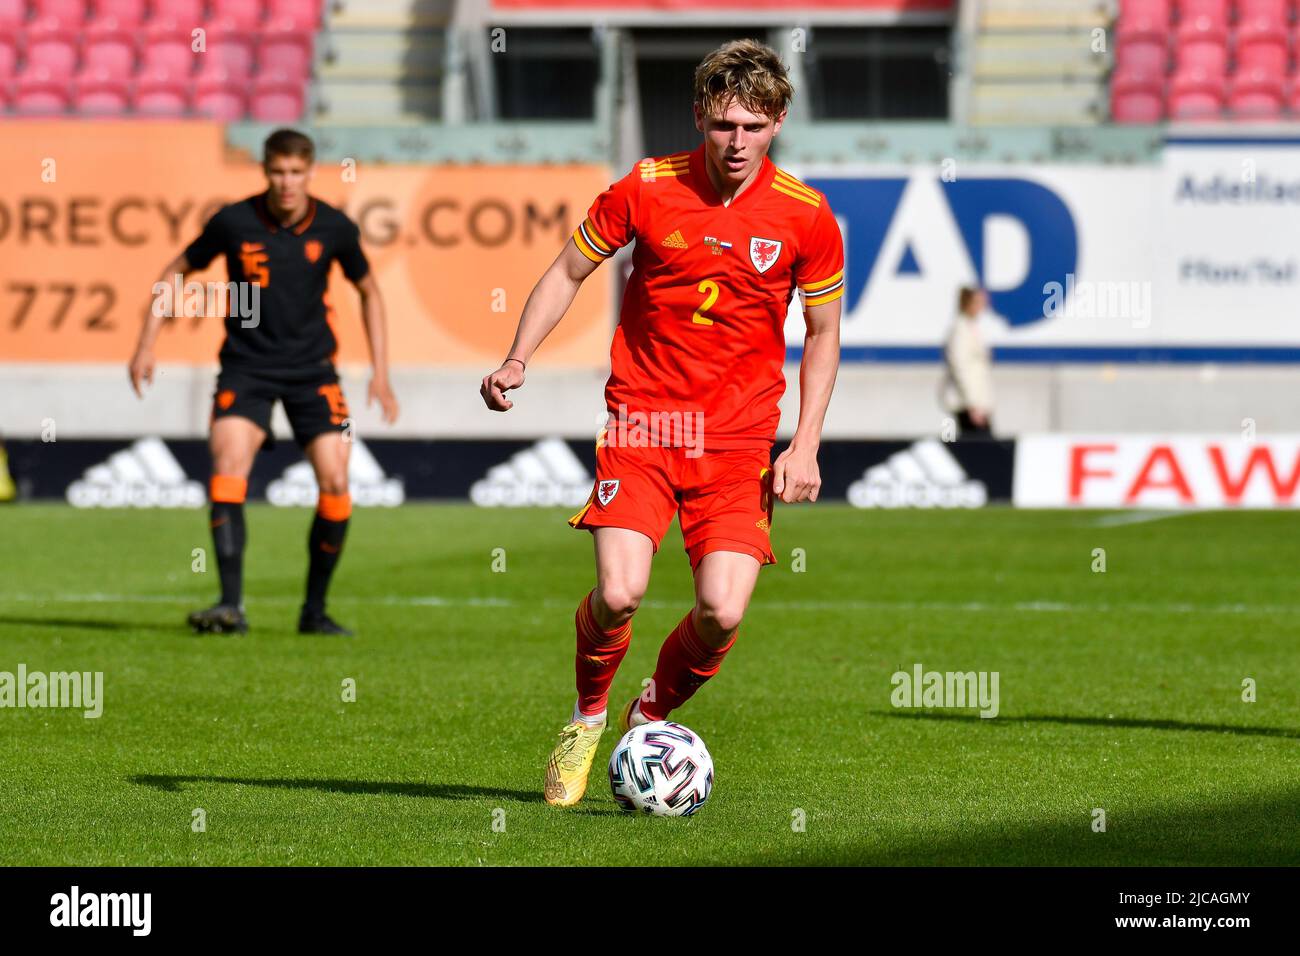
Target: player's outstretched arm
x=376 y=322
x=141 y=366
x=795 y=475
x=546 y=305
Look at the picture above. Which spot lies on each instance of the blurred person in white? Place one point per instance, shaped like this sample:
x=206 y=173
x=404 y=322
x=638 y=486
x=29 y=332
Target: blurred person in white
x=968 y=382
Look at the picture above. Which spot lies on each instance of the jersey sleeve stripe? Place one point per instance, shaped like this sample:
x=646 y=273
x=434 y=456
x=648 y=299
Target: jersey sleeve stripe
x=830 y=295
x=585 y=248
x=594 y=238
x=785 y=179
x=823 y=283
x=802 y=197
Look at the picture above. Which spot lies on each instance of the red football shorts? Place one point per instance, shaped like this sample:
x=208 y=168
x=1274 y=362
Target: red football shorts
x=723 y=498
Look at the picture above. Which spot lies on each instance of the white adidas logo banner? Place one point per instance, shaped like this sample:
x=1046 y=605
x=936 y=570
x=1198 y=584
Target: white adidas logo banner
x=926 y=475
x=547 y=473
x=145 y=475
x=367 y=483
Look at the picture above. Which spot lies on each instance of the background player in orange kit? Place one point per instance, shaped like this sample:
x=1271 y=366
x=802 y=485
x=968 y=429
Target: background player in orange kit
x=723 y=240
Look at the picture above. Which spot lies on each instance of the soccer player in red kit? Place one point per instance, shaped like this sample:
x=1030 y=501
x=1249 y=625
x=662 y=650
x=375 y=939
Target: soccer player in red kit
x=723 y=241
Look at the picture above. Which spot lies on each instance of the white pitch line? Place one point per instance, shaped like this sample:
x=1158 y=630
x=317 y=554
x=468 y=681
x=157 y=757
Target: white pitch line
x=1122 y=518
x=433 y=600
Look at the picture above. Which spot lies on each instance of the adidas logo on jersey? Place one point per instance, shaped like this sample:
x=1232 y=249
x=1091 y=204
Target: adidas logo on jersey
x=675 y=241
x=145 y=475
x=926 y=475
x=367 y=483
x=546 y=473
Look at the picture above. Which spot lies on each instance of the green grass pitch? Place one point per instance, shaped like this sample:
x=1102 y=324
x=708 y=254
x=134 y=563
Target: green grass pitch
x=1120 y=690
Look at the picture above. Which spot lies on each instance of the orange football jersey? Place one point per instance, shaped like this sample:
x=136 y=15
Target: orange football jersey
x=701 y=329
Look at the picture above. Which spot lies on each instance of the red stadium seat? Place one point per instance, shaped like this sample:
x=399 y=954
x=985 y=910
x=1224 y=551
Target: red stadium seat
x=1210 y=13
x=109 y=46
x=1137 y=98
x=277 y=99
x=1201 y=48
x=245 y=14
x=305 y=14
x=167 y=48
x=229 y=50
x=12 y=14
x=1138 y=54
x=1261 y=45
x=8 y=57
x=53 y=47
x=1196 y=95
x=100 y=93
x=1256 y=96
x=1276 y=12
x=70 y=13
x=285 y=49
x=184 y=13
x=220 y=97
x=40 y=93
x=129 y=13
x=161 y=94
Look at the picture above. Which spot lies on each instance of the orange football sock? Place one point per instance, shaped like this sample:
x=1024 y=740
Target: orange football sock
x=685 y=663
x=599 y=654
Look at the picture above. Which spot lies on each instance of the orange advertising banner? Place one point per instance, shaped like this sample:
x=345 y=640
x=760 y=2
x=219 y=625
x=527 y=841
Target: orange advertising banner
x=91 y=213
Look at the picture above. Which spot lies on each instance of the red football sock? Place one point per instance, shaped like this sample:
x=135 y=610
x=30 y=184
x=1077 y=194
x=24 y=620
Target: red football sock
x=685 y=662
x=599 y=654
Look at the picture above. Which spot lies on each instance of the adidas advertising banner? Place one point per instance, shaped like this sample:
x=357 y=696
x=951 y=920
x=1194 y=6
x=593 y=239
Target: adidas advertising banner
x=1186 y=471
x=552 y=471
x=1083 y=263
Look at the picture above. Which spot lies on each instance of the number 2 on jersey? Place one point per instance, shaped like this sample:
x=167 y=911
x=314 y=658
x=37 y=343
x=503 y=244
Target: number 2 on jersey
x=710 y=290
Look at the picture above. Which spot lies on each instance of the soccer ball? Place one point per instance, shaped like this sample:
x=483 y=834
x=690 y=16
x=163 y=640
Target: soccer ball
x=661 y=768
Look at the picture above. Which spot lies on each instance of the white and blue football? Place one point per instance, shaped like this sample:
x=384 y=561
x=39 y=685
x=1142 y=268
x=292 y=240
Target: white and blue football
x=661 y=768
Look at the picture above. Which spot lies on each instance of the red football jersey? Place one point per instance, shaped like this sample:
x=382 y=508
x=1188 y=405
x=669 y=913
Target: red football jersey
x=701 y=329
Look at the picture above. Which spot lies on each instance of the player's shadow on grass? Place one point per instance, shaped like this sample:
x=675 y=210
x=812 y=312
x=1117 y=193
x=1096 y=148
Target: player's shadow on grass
x=68 y=623
x=1130 y=722
x=434 y=791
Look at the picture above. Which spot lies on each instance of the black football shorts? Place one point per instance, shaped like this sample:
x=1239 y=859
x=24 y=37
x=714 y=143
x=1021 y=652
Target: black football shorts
x=313 y=400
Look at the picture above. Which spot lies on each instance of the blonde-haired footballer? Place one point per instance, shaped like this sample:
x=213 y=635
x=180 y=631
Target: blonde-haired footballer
x=723 y=241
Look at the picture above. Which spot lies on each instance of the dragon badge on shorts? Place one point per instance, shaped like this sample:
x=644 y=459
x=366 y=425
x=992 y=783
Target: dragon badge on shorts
x=606 y=491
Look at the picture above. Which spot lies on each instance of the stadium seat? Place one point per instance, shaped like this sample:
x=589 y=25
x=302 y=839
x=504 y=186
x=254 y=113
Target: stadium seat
x=305 y=14
x=1256 y=96
x=12 y=14
x=1137 y=98
x=277 y=99
x=161 y=94
x=229 y=49
x=1211 y=14
x=167 y=49
x=183 y=13
x=53 y=47
x=1201 y=48
x=1139 y=54
x=1293 y=95
x=220 y=96
x=109 y=46
x=1275 y=12
x=39 y=93
x=69 y=13
x=1261 y=45
x=129 y=13
x=99 y=92
x=285 y=49
x=1196 y=95
x=245 y=14
x=8 y=57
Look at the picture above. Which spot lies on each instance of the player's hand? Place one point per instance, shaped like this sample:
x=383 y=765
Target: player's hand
x=140 y=369
x=382 y=392
x=795 y=476
x=979 y=418
x=494 y=387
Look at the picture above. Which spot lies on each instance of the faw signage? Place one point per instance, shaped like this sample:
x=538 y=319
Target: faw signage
x=1166 y=471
